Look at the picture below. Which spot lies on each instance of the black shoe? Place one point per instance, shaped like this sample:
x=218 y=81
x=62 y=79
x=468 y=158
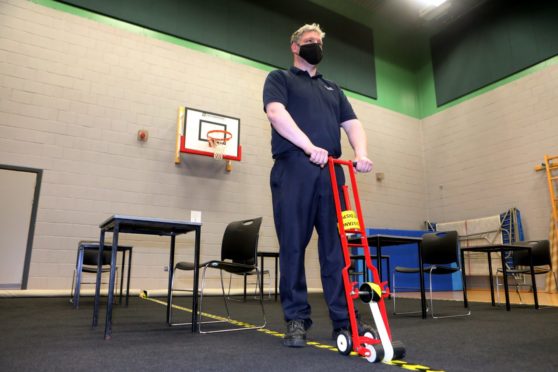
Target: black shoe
x=362 y=329
x=296 y=334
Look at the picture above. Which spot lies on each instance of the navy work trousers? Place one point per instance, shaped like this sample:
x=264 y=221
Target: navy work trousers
x=302 y=201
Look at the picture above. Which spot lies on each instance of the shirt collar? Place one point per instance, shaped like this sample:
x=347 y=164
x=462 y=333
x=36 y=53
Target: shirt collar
x=297 y=71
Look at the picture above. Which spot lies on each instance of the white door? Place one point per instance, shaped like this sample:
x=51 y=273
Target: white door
x=16 y=204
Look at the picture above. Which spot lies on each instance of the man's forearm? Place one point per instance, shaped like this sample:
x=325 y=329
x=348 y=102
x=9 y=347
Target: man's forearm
x=357 y=137
x=284 y=124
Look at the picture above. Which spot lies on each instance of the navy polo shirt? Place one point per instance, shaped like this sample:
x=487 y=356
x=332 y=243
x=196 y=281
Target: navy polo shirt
x=318 y=106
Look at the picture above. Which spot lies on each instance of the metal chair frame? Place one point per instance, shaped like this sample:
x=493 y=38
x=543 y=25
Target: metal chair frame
x=438 y=263
x=86 y=262
x=238 y=256
x=520 y=268
x=246 y=283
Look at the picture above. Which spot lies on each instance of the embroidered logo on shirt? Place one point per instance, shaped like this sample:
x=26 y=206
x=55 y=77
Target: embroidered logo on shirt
x=328 y=88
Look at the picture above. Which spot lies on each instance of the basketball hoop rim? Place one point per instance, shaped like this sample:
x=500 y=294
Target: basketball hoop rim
x=227 y=135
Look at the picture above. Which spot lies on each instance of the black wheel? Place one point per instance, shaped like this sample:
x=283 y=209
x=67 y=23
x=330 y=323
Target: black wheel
x=371 y=332
x=376 y=353
x=344 y=342
x=398 y=350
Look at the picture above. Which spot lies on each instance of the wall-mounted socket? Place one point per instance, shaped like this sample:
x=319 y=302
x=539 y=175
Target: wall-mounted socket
x=195 y=216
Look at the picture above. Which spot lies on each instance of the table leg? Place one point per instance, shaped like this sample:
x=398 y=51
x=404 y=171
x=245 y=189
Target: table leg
x=533 y=279
x=365 y=270
x=388 y=279
x=77 y=277
x=379 y=262
x=490 y=276
x=245 y=284
x=98 y=281
x=261 y=276
x=171 y=273
x=196 y=281
x=421 y=281
x=505 y=273
x=122 y=277
x=108 y=321
x=464 y=279
x=129 y=275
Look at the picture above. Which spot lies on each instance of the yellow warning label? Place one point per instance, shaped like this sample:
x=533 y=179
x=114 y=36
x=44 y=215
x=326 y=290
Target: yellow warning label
x=377 y=295
x=350 y=220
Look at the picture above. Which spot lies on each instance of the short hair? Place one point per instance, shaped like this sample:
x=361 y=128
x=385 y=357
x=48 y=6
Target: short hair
x=314 y=27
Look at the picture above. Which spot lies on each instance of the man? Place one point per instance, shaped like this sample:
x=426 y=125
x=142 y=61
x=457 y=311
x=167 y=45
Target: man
x=307 y=112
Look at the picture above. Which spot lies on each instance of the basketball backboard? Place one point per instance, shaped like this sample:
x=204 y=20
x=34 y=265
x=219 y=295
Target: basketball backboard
x=193 y=126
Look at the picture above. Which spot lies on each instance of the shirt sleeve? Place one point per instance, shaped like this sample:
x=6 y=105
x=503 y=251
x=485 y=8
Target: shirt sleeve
x=346 y=111
x=275 y=89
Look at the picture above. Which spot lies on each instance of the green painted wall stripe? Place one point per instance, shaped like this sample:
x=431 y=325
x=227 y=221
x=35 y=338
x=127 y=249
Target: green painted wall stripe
x=150 y=33
x=397 y=90
x=427 y=93
x=385 y=101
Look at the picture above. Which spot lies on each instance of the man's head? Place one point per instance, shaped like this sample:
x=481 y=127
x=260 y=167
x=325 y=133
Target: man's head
x=297 y=36
x=306 y=43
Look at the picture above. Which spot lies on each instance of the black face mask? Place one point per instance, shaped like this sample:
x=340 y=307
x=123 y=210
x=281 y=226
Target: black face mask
x=312 y=53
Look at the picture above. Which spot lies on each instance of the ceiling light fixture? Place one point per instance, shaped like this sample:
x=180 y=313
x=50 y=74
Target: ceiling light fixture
x=434 y=3
x=433 y=9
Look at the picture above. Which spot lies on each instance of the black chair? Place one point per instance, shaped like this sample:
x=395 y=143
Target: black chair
x=238 y=256
x=520 y=268
x=256 y=284
x=86 y=262
x=440 y=256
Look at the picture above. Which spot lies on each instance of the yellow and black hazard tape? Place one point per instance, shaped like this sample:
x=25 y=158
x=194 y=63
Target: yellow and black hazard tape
x=397 y=363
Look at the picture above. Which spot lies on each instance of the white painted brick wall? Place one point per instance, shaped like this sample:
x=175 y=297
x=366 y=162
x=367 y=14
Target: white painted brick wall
x=483 y=152
x=74 y=93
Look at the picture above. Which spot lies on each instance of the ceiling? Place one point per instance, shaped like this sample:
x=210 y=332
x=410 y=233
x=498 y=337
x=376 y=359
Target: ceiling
x=399 y=14
x=400 y=28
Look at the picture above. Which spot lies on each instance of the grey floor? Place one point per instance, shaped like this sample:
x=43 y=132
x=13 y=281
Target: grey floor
x=46 y=334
